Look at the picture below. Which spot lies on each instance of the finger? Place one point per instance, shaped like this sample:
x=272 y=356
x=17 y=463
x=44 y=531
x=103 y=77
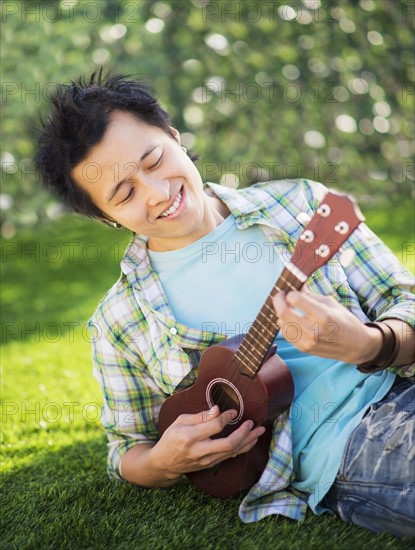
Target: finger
x=238 y=439
x=285 y=312
x=217 y=458
x=313 y=306
x=207 y=423
x=250 y=440
x=246 y=445
x=198 y=418
x=280 y=304
x=306 y=288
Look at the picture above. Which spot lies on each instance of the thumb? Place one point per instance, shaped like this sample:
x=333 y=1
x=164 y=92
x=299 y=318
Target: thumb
x=198 y=418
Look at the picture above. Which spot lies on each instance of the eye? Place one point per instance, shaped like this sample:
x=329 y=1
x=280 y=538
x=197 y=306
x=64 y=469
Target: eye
x=156 y=164
x=128 y=197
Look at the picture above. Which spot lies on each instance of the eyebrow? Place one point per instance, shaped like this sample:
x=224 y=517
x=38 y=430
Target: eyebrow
x=146 y=153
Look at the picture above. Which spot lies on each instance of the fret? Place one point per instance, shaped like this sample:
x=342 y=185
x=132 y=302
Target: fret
x=241 y=364
x=260 y=330
x=248 y=358
x=263 y=332
x=260 y=337
x=297 y=273
x=288 y=283
x=257 y=342
x=271 y=312
x=252 y=347
x=270 y=308
x=257 y=331
x=268 y=321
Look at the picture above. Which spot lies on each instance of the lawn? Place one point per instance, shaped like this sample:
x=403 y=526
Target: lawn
x=55 y=493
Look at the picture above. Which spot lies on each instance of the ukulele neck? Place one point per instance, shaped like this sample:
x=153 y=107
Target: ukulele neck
x=333 y=222
x=257 y=342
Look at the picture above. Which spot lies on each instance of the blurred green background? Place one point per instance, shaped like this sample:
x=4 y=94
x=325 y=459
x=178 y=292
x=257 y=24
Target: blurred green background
x=261 y=90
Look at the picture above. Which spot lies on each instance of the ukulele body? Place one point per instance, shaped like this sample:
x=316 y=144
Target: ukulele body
x=260 y=398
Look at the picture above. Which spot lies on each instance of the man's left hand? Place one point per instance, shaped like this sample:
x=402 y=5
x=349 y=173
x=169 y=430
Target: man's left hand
x=324 y=327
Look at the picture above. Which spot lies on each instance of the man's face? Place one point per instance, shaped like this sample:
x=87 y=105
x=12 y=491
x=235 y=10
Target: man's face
x=140 y=177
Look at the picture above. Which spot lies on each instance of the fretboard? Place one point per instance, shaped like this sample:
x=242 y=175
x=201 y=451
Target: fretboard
x=256 y=343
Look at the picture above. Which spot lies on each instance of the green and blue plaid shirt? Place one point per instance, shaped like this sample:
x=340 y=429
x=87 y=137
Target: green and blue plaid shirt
x=141 y=354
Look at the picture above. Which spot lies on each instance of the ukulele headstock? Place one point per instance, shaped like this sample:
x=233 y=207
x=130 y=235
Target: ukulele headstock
x=334 y=221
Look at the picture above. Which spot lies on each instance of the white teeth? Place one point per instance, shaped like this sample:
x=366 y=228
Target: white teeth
x=173 y=207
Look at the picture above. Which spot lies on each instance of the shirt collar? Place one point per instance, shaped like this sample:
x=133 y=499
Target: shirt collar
x=248 y=206
x=240 y=202
x=135 y=255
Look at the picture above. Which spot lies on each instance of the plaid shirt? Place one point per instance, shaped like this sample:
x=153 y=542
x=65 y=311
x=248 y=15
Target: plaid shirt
x=141 y=354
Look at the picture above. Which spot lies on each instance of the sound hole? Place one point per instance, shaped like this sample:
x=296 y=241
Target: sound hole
x=223 y=393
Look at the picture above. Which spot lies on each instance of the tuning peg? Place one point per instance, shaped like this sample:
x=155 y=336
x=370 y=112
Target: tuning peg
x=303 y=218
x=324 y=210
x=347 y=257
x=342 y=228
x=307 y=236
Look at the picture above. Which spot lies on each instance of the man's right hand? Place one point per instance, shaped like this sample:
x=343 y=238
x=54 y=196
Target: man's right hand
x=186 y=446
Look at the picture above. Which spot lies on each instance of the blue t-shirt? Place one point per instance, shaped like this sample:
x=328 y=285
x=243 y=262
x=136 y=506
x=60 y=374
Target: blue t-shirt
x=219 y=283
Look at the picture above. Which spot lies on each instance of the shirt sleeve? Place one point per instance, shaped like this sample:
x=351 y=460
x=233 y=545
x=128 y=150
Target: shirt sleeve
x=131 y=399
x=383 y=286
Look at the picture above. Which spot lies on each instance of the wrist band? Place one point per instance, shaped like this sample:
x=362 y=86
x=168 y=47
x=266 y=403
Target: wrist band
x=388 y=351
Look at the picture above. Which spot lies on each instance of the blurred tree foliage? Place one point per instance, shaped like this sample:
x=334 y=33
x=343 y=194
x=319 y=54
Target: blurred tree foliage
x=260 y=89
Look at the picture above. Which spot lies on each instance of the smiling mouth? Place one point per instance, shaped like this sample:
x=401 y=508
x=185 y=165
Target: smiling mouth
x=174 y=206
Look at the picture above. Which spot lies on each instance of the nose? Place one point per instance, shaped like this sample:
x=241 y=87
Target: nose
x=155 y=190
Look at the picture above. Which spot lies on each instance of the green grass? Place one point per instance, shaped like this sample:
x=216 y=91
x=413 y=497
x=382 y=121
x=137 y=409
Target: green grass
x=55 y=493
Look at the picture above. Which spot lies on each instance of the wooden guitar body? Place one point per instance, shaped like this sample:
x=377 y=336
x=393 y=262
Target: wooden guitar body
x=261 y=399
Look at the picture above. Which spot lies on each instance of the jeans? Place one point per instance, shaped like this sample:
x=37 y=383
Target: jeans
x=375 y=486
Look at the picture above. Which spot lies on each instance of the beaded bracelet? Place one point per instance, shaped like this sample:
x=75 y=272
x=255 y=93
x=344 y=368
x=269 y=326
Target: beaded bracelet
x=388 y=351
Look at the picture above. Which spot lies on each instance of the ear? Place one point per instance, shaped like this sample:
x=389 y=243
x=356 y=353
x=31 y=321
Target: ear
x=175 y=133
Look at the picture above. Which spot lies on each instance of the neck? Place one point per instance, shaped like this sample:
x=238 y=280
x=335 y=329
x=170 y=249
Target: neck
x=214 y=213
x=220 y=207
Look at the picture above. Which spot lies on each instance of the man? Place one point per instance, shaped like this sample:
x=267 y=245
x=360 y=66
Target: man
x=109 y=152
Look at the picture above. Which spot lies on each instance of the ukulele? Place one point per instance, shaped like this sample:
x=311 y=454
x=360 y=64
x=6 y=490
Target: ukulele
x=244 y=372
